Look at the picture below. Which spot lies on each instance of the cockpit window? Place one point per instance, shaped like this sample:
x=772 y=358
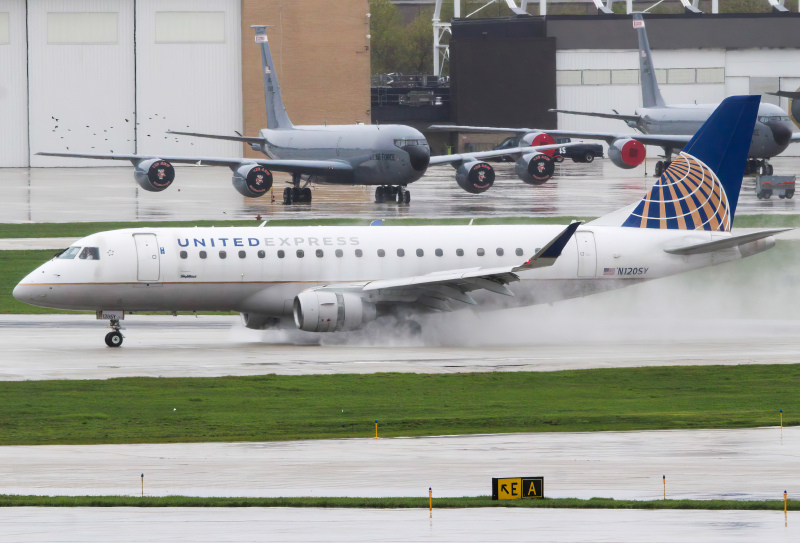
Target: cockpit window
x=405 y=142
x=70 y=253
x=773 y=119
x=90 y=253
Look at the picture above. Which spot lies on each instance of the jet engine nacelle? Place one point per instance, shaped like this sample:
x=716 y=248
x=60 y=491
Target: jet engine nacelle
x=252 y=180
x=154 y=174
x=475 y=177
x=626 y=153
x=320 y=311
x=535 y=168
x=254 y=321
x=538 y=138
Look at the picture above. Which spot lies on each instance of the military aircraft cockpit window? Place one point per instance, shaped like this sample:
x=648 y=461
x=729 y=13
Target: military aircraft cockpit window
x=773 y=119
x=261 y=254
x=223 y=254
x=70 y=253
x=508 y=143
x=319 y=253
x=90 y=253
x=184 y=255
x=518 y=252
x=242 y=254
x=481 y=252
x=459 y=252
x=405 y=142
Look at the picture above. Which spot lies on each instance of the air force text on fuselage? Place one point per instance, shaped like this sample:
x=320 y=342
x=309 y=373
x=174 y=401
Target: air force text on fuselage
x=309 y=241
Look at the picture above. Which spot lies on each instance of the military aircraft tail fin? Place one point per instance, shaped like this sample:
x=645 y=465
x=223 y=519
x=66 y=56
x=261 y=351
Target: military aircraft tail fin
x=651 y=95
x=277 y=118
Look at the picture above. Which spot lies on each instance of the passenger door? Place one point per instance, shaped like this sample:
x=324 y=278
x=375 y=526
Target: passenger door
x=147 y=257
x=587 y=255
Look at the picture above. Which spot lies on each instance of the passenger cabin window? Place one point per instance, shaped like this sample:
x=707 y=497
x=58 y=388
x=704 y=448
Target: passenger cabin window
x=70 y=253
x=459 y=252
x=281 y=254
x=223 y=254
x=481 y=252
x=381 y=253
x=518 y=252
x=420 y=252
x=359 y=253
x=242 y=254
x=300 y=253
x=320 y=254
x=499 y=251
x=339 y=253
x=401 y=252
x=261 y=254
x=90 y=253
x=203 y=254
x=184 y=255
x=439 y=252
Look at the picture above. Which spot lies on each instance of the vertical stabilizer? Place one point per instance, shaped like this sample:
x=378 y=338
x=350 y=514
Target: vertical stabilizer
x=651 y=96
x=700 y=188
x=277 y=118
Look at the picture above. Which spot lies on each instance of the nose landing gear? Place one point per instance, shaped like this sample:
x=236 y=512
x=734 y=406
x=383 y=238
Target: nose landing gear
x=114 y=338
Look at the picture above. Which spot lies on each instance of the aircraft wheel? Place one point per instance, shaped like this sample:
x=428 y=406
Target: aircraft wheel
x=379 y=196
x=296 y=194
x=588 y=157
x=399 y=197
x=407 y=197
x=659 y=168
x=287 y=196
x=114 y=339
x=770 y=169
x=789 y=194
x=306 y=194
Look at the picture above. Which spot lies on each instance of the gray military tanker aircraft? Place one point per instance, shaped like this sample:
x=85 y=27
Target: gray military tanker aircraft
x=667 y=126
x=386 y=156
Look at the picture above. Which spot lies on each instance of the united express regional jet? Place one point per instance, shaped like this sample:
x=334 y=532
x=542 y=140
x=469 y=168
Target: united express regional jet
x=388 y=157
x=339 y=278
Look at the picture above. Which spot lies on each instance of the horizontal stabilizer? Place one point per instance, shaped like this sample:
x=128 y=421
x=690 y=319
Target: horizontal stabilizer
x=244 y=139
x=785 y=94
x=728 y=243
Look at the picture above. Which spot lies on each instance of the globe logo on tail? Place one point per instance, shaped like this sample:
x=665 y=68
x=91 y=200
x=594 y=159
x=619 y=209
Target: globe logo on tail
x=688 y=196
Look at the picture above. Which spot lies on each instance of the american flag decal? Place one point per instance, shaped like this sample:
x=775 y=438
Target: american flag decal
x=608 y=271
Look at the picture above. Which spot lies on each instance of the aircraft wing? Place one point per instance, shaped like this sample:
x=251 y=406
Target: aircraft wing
x=608 y=137
x=290 y=166
x=436 y=290
x=617 y=116
x=244 y=139
x=478 y=155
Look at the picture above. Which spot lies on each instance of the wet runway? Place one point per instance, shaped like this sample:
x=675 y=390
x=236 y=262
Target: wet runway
x=111 y=194
x=37 y=524
x=744 y=464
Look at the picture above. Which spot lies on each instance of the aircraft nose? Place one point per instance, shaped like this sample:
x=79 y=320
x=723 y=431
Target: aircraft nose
x=420 y=156
x=780 y=133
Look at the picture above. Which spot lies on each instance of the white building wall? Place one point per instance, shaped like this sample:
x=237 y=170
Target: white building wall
x=81 y=78
x=717 y=73
x=188 y=75
x=13 y=85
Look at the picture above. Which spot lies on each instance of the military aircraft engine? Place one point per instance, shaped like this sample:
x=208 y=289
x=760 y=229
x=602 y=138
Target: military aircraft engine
x=535 y=168
x=538 y=138
x=154 y=174
x=626 y=153
x=254 y=321
x=252 y=180
x=319 y=311
x=475 y=177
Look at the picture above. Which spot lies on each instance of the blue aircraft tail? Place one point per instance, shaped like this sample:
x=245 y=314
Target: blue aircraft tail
x=700 y=189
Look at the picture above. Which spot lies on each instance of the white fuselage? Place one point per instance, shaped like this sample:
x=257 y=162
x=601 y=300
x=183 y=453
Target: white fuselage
x=263 y=269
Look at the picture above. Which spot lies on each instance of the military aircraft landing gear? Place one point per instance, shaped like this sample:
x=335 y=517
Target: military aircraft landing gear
x=758 y=166
x=114 y=338
x=387 y=193
x=661 y=167
x=295 y=194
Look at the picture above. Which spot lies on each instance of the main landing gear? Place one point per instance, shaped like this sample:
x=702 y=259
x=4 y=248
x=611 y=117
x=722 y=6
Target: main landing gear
x=390 y=193
x=295 y=194
x=114 y=338
x=661 y=167
x=758 y=166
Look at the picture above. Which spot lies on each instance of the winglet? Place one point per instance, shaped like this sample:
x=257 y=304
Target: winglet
x=547 y=255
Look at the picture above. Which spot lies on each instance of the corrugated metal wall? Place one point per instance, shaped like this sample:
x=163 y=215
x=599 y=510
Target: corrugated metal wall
x=81 y=80
x=13 y=85
x=82 y=85
x=189 y=77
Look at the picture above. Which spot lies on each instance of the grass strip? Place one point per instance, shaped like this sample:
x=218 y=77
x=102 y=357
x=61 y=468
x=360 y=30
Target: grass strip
x=81 y=229
x=287 y=407
x=390 y=503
